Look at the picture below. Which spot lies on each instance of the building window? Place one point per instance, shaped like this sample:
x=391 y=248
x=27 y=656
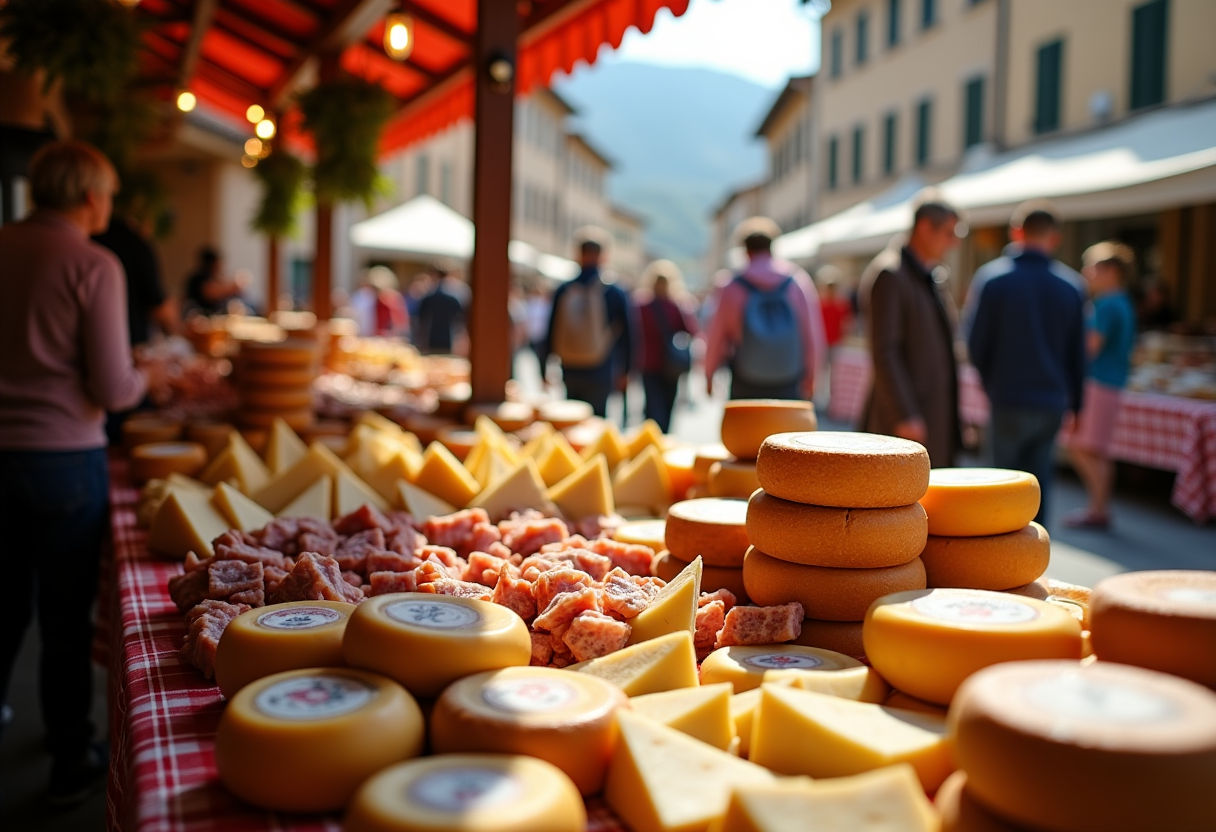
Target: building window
x=888 y=144
x=859 y=141
x=1149 y=39
x=1047 y=87
x=928 y=13
x=863 y=37
x=893 y=22
x=833 y=161
x=422 y=184
x=973 y=114
x=445 y=182
x=837 y=53
x=924 y=126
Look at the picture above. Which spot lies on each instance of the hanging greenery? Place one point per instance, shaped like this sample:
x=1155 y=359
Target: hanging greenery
x=90 y=45
x=346 y=118
x=282 y=176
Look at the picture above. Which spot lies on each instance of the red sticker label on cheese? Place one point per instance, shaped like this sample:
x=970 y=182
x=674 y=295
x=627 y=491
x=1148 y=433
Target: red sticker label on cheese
x=784 y=661
x=529 y=696
x=1190 y=595
x=299 y=618
x=974 y=609
x=460 y=790
x=314 y=697
x=1073 y=696
x=434 y=615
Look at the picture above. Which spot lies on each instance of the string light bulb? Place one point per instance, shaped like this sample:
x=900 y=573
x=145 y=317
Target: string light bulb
x=255 y=113
x=186 y=101
x=249 y=161
x=253 y=147
x=265 y=129
x=398 y=35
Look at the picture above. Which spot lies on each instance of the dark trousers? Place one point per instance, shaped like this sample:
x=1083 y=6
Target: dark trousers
x=54 y=509
x=1024 y=439
x=660 y=398
x=590 y=386
x=740 y=389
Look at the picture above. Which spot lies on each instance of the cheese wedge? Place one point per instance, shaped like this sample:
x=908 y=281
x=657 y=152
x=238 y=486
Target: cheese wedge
x=186 y=522
x=284 y=448
x=319 y=461
x=182 y=481
x=240 y=511
x=585 y=493
x=673 y=610
x=643 y=481
x=380 y=459
x=352 y=493
x=251 y=471
x=521 y=488
x=535 y=446
x=559 y=461
x=421 y=504
x=314 y=501
x=742 y=710
x=701 y=712
x=444 y=476
x=663 y=663
x=648 y=434
x=861 y=684
x=608 y=443
x=385 y=425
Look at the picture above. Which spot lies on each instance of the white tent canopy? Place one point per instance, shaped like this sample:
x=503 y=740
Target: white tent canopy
x=1147 y=163
x=424 y=228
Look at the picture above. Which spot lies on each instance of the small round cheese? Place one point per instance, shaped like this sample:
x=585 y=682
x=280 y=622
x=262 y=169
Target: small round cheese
x=744 y=667
x=303 y=741
x=468 y=793
x=746 y=423
x=293 y=352
x=680 y=461
x=564 y=414
x=1163 y=620
x=642 y=533
x=277 y=399
x=842 y=469
x=733 y=478
x=927 y=642
x=297 y=420
x=961 y=812
x=706 y=456
x=428 y=641
x=139 y=430
x=509 y=416
x=1104 y=748
x=280 y=637
x=977 y=502
x=847 y=538
x=458 y=440
x=712 y=528
x=211 y=435
x=713 y=578
x=157 y=460
x=998 y=562
x=826 y=593
x=838 y=636
x=567 y=719
x=295 y=378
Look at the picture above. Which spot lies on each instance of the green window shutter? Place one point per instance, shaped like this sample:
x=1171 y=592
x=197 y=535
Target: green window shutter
x=837 y=53
x=1047 y=87
x=924 y=116
x=1150 y=36
x=973 y=119
x=888 y=144
x=863 y=37
x=833 y=161
x=928 y=13
x=859 y=141
x=893 y=22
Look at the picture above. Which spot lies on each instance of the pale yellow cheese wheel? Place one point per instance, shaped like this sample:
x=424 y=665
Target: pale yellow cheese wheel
x=843 y=469
x=744 y=667
x=978 y=502
x=712 y=528
x=157 y=460
x=746 y=423
x=649 y=532
x=998 y=562
x=826 y=593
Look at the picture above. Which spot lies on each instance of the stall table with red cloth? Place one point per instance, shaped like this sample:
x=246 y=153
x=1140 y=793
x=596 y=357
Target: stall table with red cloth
x=1165 y=432
x=163 y=713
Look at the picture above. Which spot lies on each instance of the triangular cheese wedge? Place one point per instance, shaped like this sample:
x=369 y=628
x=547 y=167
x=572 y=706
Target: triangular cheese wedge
x=284 y=448
x=520 y=488
x=643 y=481
x=319 y=461
x=585 y=493
x=222 y=468
x=647 y=434
x=501 y=465
x=660 y=780
x=538 y=443
x=559 y=461
x=380 y=459
x=176 y=480
x=314 y=501
x=664 y=663
x=380 y=423
x=422 y=504
x=608 y=443
x=251 y=471
x=861 y=684
x=742 y=708
x=444 y=476
x=674 y=609
x=352 y=493
x=478 y=461
x=186 y=522
x=701 y=712
x=240 y=511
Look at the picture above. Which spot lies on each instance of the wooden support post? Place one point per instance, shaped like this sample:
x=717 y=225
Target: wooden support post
x=273 y=289
x=494 y=111
x=323 y=262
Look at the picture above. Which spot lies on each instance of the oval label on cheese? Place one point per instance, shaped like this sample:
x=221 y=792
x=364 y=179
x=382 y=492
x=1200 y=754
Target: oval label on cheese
x=299 y=618
x=970 y=476
x=972 y=609
x=529 y=696
x=1075 y=697
x=314 y=697
x=1190 y=595
x=433 y=615
x=783 y=661
x=466 y=789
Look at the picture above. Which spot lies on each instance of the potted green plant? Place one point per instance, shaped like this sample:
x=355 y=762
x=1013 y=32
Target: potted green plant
x=282 y=176
x=346 y=118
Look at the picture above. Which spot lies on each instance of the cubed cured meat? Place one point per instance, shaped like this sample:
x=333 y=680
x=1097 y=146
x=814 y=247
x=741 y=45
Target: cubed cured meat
x=383 y=583
x=389 y=561
x=724 y=595
x=761 y=625
x=514 y=593
x=592 y=635
x=597 y=525
x=459 y=589
x=314 y=525
x=498 y=550
x=454 y=571
x=564 y=607
x=250 y=597
x=531 y=567
x=632 y=557
x=399 y=519
x=561 y=660
x=273 y=576
x=549 y=585
x=353 y=551
x=322 y=545
x=237 y=550
x=595 y=565
x=280 y=534
x=482 y=537
x=446 y=554
x=315 y=578
x=225 y=577
x=205 y=623
x=526 y=533
x=542 y=651
x=353 y=578
x=481 y=566
x=189 y=589
x=403 y=541
x=622 y=596
x=193 y=562
x=455 y=530
x=710 y=619
x=234 y=537
x=361 y=519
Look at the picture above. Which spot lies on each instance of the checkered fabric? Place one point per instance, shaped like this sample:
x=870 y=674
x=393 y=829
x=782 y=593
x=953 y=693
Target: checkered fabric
x=163 y=713
x=850 y=385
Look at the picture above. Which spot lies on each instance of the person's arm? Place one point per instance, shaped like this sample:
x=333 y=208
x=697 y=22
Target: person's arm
x=892 y=380
x=722 y=325
x=168 y=316
x=112 y=380
x=1076 y=359
x=979 y=329
x=1097 y=335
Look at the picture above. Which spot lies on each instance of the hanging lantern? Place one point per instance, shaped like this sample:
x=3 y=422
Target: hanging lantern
x=186 y=101
x=398 y=35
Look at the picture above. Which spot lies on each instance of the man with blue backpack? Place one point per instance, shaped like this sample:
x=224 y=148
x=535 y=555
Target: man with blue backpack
x=768 y=327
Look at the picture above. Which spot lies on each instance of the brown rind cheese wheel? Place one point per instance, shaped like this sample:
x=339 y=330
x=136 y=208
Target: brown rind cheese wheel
x=706 y=456
x=712 y=528
x=846 y=538
x=712 y=577
x=157 y=460
x=825 y=593
x=840 y=636
x=297 y=420
x=961 y=812
x=294 y=352
x=733 y=479
x=251 y=377
x=842 y=469
x=746 y=423
x=276 y=398
x=999 y=562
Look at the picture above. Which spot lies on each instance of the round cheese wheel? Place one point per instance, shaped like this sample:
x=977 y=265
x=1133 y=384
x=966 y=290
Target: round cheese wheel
x=733 y=478
x=744 y=667
x=838 y=636
x=642 y=533
x=713 y=528
x=280 y=637
x=846 y=470
x=706 y=456
x=293 y=352
x=1104 y=748
x=746 y=423
x=297 y=420
x=848 y=538
x=713 y=578
x=277 y=398
x=1163 y=620
x=1069 y=596
x=251 y=376
x=211 y=435
x=468 y=793
x=303 y=741
x=826 y=593
x=680 y=462
x=567 y=719
x=256 y=438
x=961 y=812
x=139 y=430
x=458 y=440
x=999 y=562
x=427 y=641
x=564 y=414
x=927 y=642
x=509 y=416
x=977 y=502
x=901 y=700
x=157 y=460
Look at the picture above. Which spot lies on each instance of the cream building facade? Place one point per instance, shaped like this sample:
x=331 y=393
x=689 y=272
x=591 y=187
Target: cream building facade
x=735 y=208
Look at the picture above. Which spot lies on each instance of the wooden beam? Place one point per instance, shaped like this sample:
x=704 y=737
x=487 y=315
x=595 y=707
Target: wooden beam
x=494 y=112
x=439 y=24
x=204 y=11
x=346 y=24
x=323 y=259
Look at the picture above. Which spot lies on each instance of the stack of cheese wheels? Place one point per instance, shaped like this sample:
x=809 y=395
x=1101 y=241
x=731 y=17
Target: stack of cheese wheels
x=703 y=459
x=275 y=380
x=981 y=529
x=836 y=526
x=713 y=529
x=746 y=423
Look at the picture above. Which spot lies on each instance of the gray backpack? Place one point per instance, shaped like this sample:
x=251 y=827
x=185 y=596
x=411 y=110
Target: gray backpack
x=771 y=351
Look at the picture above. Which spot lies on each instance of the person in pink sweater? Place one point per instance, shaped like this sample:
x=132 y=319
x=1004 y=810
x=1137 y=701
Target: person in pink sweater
x=65 y=360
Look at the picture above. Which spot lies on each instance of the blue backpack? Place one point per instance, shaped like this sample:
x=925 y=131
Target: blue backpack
x=771 y=350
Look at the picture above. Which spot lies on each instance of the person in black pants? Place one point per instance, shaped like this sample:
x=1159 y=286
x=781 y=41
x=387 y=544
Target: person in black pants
x=667 y=331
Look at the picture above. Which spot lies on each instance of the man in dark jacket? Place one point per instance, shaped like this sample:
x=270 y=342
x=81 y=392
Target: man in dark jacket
x=910 y=325
x=441 y=313
x=1026 y=333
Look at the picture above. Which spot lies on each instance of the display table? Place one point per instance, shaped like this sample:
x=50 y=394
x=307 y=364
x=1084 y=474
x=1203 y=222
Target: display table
x=163 y=713
x=1165 y=432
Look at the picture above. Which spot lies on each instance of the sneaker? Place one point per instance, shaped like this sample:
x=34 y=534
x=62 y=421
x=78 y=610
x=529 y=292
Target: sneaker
x=1083 y=518
x=73 y=781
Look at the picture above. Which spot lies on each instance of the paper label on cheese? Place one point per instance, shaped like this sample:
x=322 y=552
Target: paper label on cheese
x=1190 y=595
x=432 y=615
x=314 y=697
x=529 y=696
x=300 y=618
x=783 y=661
x=971 y=609
x=466 y=789
x=1074 y=697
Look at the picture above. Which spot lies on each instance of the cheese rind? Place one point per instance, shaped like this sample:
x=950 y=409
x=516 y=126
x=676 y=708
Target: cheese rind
x=997 y=562
x=843 y=469
x=839 y=636
x=978 y=502
x=733 y=478
x=961 y=812
x=746 y=423
x=710 y=528
x=701 y=712
x=664 y=663
x=826 y=593
x=745 y=667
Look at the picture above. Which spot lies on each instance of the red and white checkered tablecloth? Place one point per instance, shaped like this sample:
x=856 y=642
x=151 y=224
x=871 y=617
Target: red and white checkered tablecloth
x=163 y=713
x=1166 y=432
